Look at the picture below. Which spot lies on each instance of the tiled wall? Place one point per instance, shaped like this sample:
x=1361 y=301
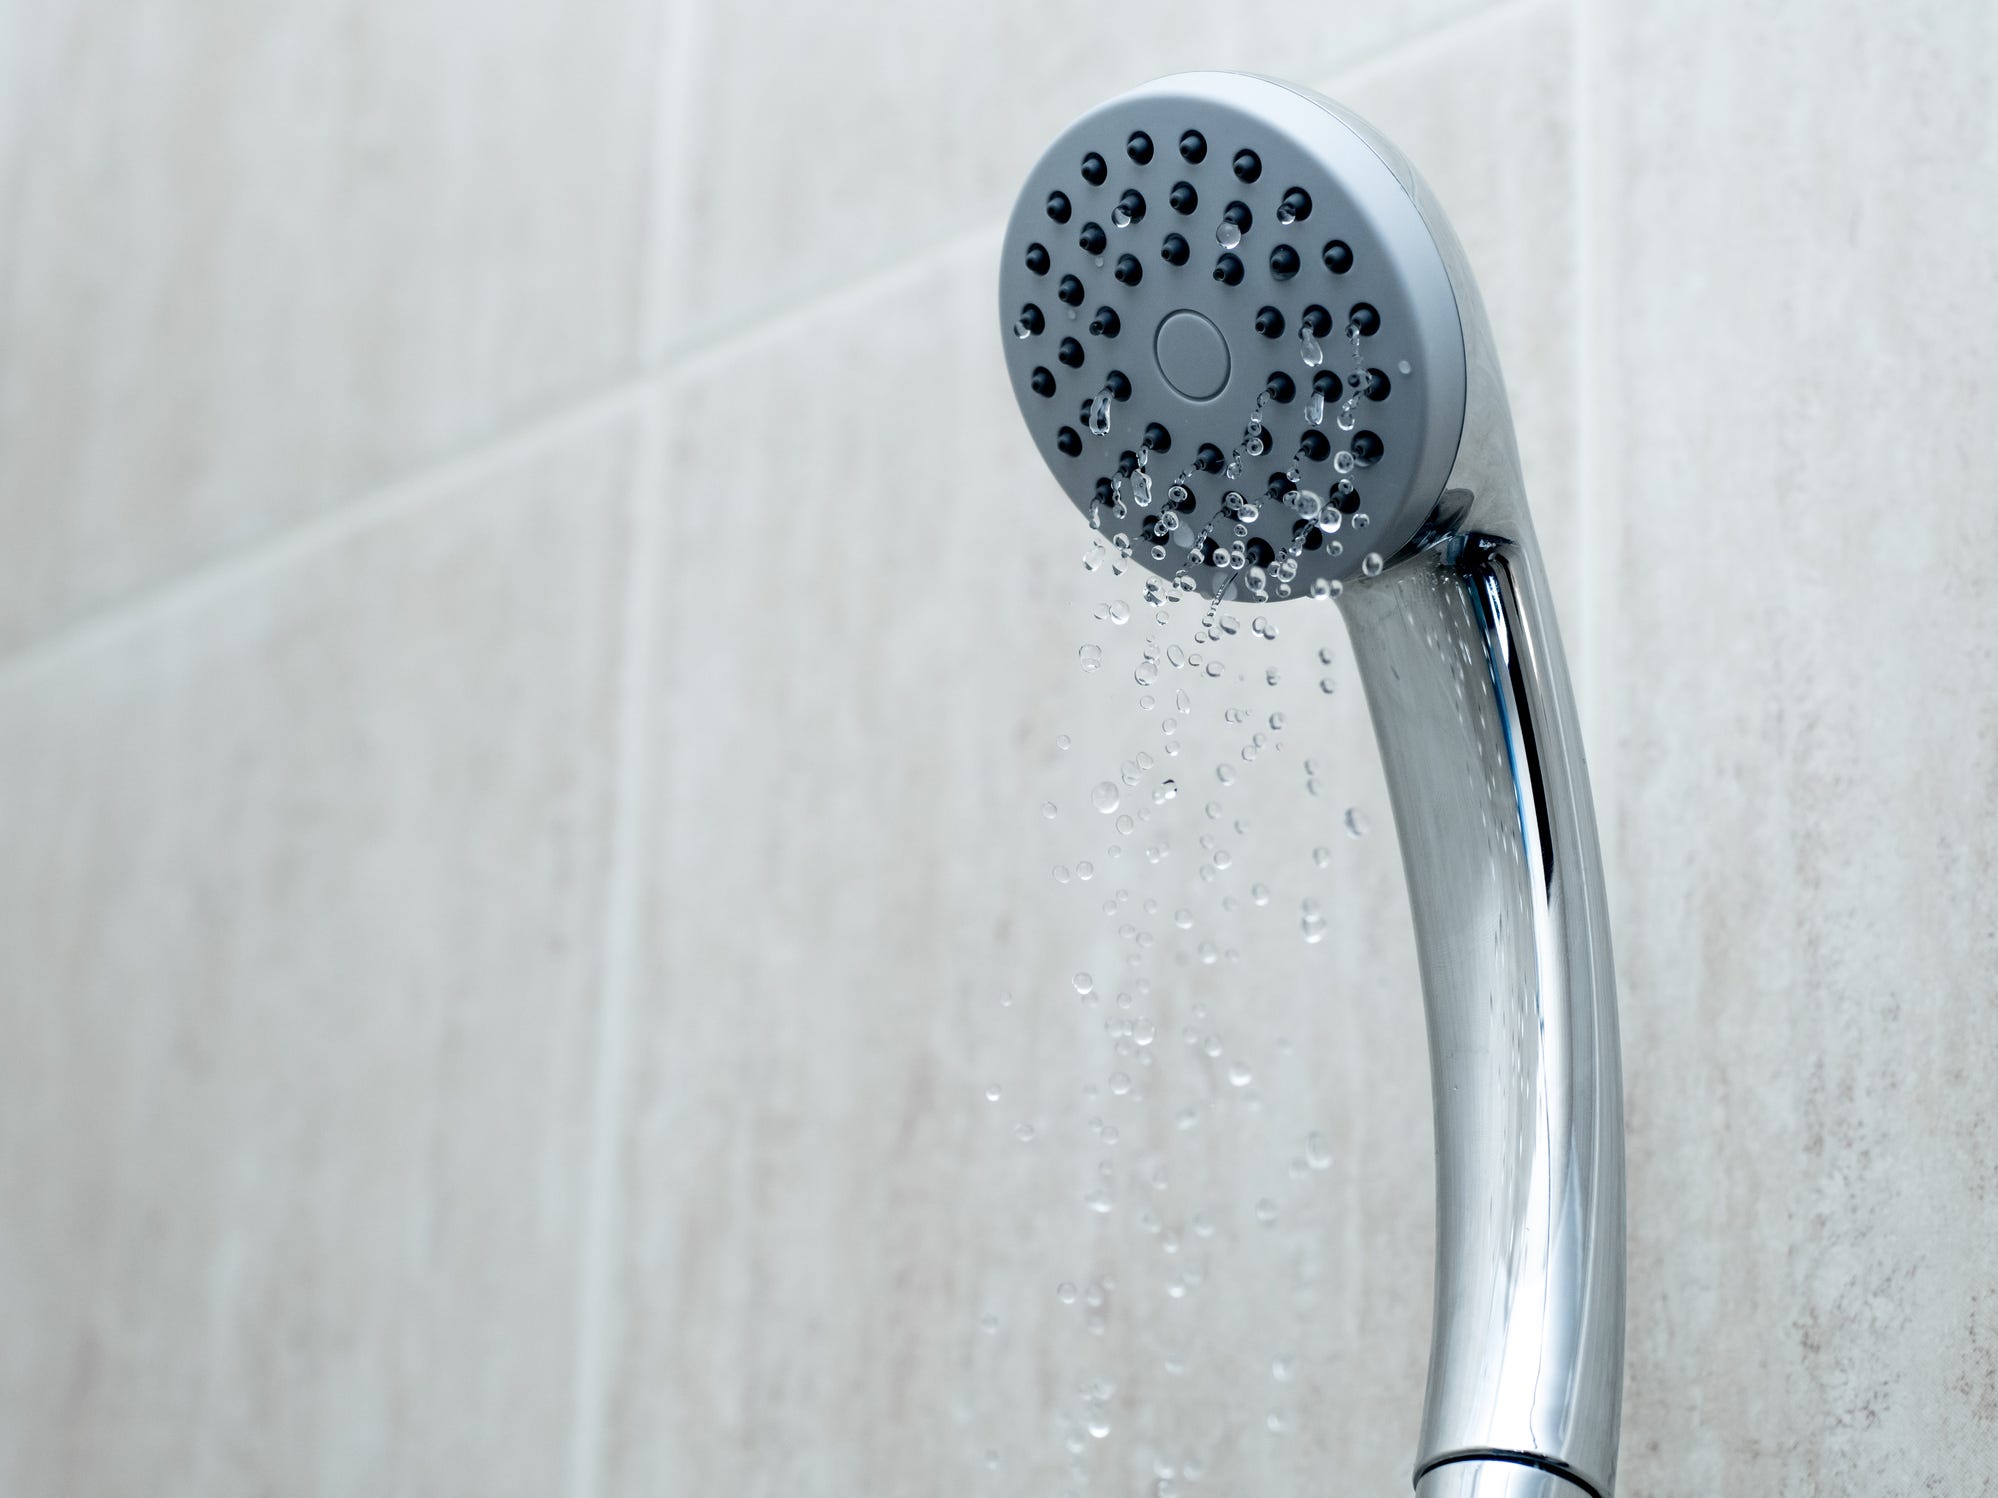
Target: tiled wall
x=518 y=782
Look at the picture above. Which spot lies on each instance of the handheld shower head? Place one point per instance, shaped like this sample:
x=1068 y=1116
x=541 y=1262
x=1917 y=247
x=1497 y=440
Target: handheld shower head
x=1236 y=325
x=1251 y=350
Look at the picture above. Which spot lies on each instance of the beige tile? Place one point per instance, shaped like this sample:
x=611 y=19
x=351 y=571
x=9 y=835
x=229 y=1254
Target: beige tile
x=849 y=869
x=1798 y=208
x=300 y=903
x=822 y=141
x=260 y=258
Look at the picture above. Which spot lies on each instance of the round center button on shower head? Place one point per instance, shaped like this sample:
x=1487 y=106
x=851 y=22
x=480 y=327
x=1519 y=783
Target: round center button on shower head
x=1193 y=356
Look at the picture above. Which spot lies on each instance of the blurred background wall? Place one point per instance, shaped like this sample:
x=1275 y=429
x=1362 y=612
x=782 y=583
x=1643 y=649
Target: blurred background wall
x=531 y=640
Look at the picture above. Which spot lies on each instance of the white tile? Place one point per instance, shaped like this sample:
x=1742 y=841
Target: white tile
x=260 y=258
x=825 y=141
x=300 y=904
x=1798 y=208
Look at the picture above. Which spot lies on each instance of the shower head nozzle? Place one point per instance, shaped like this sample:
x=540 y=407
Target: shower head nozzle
x=1279 y=290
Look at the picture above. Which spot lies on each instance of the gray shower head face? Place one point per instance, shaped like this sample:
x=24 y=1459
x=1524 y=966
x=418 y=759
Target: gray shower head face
x=1232 y=335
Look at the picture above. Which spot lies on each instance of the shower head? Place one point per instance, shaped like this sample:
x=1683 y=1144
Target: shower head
x=1250 y=348
x=1237 y=326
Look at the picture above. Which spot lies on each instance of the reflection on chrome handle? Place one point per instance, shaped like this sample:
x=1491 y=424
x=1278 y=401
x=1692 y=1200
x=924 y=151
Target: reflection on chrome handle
x=1471 y=704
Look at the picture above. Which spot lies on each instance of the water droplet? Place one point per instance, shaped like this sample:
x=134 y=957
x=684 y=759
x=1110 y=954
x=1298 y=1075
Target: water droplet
x=1405 y=367
x=1024 y=1133
x=1099 y=413
x=1266 y=1211
x=1118 y=612
x=1061 y=741
x=1372 y=564
x=1099 y=1424
x=1311 y=350
x=1167 y=789
x=1091 y=656
x=1317 y=1153
x=1227 y=233
x=1023 y=328
x=1083 y=982
x=1121 y=217
x=1061 y=873
x=1327 y=685
x=1239 y=1074
x=1342 y=462
x=1356 y=822
x=1065 y=1293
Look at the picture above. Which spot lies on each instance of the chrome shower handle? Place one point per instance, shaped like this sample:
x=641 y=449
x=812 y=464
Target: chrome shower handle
x=1470 y=698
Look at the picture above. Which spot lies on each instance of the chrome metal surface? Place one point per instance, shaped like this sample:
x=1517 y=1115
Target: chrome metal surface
x=1494 y=1479
x=1470 y=699
x=1457 y=645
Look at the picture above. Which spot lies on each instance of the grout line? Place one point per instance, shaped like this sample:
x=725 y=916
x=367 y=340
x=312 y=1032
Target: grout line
x=399 y=497
x=707 y=347
x=592 y=1370
x=682 y=38
x=603 y=1205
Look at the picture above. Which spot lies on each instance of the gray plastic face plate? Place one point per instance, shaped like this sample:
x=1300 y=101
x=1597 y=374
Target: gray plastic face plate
x=1417 y=350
